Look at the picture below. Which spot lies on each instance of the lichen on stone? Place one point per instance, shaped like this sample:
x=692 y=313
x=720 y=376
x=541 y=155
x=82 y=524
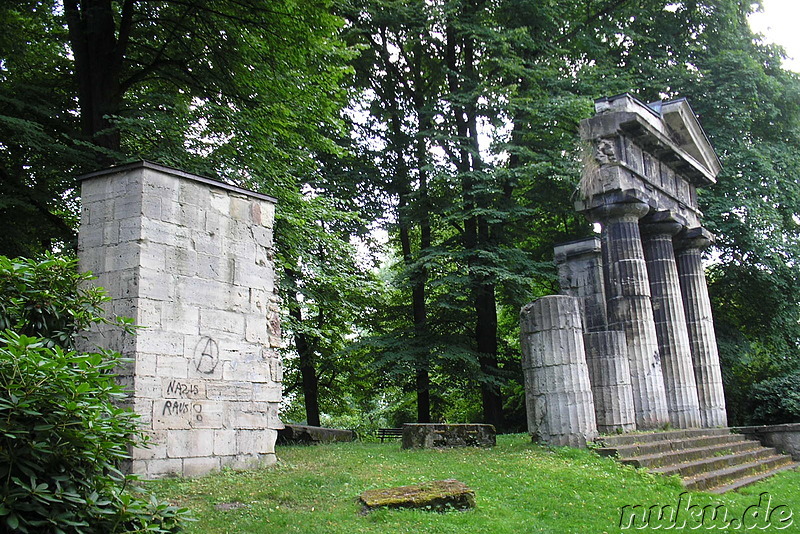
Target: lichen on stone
x=439 y=495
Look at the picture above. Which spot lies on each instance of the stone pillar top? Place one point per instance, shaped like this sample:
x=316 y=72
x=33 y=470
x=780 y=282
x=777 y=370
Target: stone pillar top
x=579 y=247
x=549 y=314
x=661 y=222
x=149 y=165
x=698 y=237
x=629 y=206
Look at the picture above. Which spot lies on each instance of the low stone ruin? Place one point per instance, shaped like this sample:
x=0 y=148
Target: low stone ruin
x=445 y=435
x=632 y=336
x=292 y=434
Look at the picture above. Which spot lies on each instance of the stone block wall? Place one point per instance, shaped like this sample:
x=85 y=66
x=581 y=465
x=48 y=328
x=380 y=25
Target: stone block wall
x=190 y=260
x=447 y=435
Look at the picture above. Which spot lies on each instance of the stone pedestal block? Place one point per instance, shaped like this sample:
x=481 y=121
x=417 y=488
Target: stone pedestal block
x=190 y=260
x=700 y=325
x=558 y=393
x=630 y=308
x=670 y=320
x=610 y=375
x=443 y=435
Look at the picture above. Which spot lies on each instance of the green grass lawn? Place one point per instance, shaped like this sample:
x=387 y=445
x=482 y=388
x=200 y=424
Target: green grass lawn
x=519 y=487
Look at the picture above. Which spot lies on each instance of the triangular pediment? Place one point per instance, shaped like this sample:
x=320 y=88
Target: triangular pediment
x=685 y=131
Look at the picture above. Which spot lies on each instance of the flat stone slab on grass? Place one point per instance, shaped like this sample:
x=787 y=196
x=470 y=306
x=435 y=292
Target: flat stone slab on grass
x=439 y=496
x=442 y=435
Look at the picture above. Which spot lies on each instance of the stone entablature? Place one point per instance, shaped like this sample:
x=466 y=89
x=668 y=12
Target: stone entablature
x=659 y=157
x=190 y=260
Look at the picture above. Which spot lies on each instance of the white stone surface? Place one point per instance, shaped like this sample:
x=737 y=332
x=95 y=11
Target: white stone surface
x=189 y=261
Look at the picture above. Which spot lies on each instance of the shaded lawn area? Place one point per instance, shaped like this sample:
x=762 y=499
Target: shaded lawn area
x=520 y=487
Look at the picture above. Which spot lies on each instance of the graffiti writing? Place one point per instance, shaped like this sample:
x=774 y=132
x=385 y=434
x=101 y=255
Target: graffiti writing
x=206 y=355
x=182 y=389
x=183 y=408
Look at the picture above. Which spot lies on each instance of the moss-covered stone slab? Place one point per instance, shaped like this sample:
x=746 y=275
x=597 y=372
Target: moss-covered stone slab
x=439 y=496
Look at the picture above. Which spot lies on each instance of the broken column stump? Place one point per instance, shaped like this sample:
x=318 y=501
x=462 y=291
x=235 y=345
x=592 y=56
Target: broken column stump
x=558 y=394
x=444 y=435
x=439 y=496
x=609 y=373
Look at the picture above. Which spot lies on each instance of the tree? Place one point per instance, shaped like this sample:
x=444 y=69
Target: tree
x=244 y=91
x=405 y=79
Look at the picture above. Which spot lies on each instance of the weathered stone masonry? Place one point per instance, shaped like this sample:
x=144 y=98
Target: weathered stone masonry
x=644 y=277
x=190 y=260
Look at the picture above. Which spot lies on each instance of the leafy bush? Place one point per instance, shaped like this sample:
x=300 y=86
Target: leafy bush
x=47 y=299
x=777 y=400
x=62 y=437
x=63 y=434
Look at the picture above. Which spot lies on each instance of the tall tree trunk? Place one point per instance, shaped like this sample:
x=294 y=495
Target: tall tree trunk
x=418 y=274
x=424 y=126
x=476 y=229
x=419 y=317
x=98 y=47
x=305 y=353
x=420 y=311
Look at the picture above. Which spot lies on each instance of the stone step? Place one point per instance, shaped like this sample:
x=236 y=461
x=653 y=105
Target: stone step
x=667 y=446
x=706 y=459
x=714 y=463
x=752 y=479
x=724 y=476
x=661 y=459
x=647 y=437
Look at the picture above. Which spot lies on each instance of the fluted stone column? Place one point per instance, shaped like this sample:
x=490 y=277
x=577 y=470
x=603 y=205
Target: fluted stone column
x=630 y=308
x=610 y=375
x=558 y=395
x=580 y=274
x=670 y=320
x=700 y=323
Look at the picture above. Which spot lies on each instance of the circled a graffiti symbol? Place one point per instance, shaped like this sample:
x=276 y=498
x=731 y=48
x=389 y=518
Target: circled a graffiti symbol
x=206 y=356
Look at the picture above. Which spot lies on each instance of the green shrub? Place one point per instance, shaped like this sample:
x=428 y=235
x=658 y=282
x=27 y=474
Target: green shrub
x=48 y=299
x=63 y=433
x=777 y=400
x=62 y=437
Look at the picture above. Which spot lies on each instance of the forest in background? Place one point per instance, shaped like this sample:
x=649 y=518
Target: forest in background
x=449 y=126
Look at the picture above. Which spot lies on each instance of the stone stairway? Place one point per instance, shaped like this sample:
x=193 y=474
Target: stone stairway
x=708 y=459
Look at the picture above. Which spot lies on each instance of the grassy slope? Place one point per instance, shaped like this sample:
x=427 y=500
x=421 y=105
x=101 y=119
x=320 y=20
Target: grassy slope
x=519 y=487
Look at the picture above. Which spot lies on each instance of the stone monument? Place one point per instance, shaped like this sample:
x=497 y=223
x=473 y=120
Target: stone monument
x=190 y=259
x=641 y=287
